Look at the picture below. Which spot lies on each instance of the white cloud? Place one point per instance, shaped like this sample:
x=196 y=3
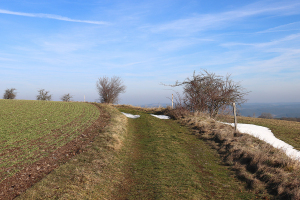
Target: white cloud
x=50 y=16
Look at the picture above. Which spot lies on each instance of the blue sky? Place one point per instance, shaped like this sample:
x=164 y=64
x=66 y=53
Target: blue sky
x=65 y=46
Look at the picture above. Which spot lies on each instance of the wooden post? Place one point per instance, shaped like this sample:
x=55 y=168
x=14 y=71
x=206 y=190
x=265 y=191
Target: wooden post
x=234 y=113
x=172 y=101
x=83 y=98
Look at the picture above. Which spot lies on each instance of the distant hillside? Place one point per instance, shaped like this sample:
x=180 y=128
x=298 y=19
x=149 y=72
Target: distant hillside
x=277 y=109
x=151 y=105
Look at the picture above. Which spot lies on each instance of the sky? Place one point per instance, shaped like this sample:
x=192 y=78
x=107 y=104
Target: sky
x=65 y=46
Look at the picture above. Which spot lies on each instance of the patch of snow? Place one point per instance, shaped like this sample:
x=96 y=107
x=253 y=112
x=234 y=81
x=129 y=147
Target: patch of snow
x=266 y=135
x=161 y=116
x=131 y=116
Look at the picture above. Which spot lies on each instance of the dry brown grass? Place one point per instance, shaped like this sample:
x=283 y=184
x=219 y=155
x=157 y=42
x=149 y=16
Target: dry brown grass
x=92 y=174
x=263 y=167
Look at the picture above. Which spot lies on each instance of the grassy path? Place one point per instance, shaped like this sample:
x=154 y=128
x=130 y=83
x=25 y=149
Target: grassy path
x=164 y=161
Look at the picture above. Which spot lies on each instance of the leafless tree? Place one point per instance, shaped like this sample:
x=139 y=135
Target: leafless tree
x=10 y=94
x=109 y=89
x=43 y=95
x=66 y=97
x=208 y=92
x=266 y=116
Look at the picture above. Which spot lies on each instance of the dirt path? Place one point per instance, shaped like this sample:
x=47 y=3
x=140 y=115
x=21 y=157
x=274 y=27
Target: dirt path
x=165 y=161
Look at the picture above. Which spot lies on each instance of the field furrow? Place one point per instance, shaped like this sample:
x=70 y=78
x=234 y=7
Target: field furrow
x=31 y=130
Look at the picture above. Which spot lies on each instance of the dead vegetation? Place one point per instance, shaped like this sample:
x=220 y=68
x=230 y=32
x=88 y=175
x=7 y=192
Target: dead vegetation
x=208 y=92
x=263 y=167
x=109 y=89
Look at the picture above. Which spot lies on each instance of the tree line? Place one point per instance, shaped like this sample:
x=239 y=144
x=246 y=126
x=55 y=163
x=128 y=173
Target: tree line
x=42 y=95
x=108 y=89
x=203 y=92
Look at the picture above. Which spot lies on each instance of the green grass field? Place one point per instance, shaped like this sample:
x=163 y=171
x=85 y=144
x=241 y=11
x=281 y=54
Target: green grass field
x=165 y=161
x=31 y=130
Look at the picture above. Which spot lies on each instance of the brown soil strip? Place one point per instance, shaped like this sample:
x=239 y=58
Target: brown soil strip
x=15 y=185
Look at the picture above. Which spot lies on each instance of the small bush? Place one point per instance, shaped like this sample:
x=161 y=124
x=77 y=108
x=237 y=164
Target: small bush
x=177 y=113
x=109 y=89
x=43 y=95
x=10 y=94
x=66 y=97
x=266 y=116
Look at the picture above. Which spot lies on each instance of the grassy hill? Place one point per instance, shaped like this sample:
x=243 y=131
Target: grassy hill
x=193 y=157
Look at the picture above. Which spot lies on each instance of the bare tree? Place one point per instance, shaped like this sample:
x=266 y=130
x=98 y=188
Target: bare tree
x=10 y=94
x=66 y=97
x=43 y=95
x=266 y=116
x=208 y=92
x=109 y=89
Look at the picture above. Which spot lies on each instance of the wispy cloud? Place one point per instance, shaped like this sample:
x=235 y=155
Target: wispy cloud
x=287 y=27
x=178 y=44
x=292 y=37
x=283 y=65
x=218 y=21
x=50 y=16
x=6 y=59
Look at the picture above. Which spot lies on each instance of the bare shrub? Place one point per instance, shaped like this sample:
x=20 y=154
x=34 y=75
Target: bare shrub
x=66 y=97
x=109 y=89
x=180 y=110
x=208 y=92
x=266 y=116
x=10 y=94
x=43 y=95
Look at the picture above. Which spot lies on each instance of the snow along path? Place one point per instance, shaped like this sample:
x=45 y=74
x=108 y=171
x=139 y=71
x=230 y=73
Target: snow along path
x=265 y=134
x=131 y=116
x=161 y=116
x=137 y=116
